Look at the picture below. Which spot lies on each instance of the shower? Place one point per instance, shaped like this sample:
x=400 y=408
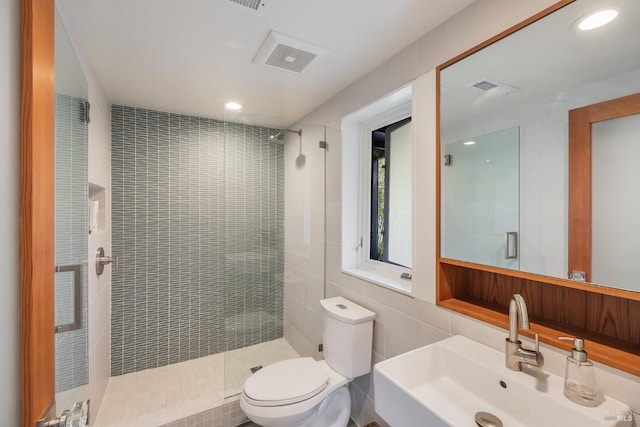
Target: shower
x=301 y=159
x=279 y=134
x=202 y=294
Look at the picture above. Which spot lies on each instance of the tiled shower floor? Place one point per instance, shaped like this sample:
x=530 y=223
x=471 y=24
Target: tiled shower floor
x=158 y=396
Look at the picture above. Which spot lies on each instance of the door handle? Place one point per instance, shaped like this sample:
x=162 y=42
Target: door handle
x=77 y=297
x=511 y=245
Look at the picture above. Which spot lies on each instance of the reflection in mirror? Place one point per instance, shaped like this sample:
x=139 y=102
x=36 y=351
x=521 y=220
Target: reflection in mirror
x=615 y=245
x=480 y=199
x=71 y=224
x=531 y=80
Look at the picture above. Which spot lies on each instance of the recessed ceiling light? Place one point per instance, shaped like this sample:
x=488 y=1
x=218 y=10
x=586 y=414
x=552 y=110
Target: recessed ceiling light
x=232 y=106
x=597 y=19
x=469 y=143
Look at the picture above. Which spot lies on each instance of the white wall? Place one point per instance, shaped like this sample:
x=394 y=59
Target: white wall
x=10 y=212
x=403 y=323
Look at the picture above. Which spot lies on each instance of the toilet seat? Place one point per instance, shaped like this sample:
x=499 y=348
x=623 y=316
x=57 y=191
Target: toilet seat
x=286 y=382
x=305 y=413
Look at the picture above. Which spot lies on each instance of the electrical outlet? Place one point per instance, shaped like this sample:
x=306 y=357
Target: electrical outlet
x=320 y=347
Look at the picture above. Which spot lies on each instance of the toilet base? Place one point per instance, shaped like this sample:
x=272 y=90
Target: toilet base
x=332 y=411
x=336 y=411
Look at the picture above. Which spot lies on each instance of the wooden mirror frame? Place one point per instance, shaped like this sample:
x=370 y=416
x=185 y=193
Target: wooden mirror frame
x=608 y=318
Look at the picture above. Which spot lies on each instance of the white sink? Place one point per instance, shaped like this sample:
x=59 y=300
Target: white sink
x=447 y=383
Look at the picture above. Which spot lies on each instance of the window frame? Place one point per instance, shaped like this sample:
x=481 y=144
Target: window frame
x=357 y=148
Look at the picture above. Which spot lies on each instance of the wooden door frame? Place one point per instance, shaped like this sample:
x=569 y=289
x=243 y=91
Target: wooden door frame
x=37 y=209
x=580 y=121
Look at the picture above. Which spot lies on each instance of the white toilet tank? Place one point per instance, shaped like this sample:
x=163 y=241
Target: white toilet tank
x=347 y=336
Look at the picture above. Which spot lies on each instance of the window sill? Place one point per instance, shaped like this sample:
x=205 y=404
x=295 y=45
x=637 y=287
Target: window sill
x=397 y=285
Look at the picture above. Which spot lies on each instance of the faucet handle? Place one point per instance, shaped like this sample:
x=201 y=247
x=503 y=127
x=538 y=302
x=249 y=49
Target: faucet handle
x=539 y=356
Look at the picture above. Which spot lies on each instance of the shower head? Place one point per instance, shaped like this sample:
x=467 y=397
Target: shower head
x=280 y=135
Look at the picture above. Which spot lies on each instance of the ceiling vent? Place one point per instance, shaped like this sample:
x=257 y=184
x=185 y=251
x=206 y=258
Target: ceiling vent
x=484 y=85
x=255 y=6
x=287 y=53
x=493 y=86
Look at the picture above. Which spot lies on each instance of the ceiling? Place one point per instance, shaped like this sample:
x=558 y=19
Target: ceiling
x=192 y=56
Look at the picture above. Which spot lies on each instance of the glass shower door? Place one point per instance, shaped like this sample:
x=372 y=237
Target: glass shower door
x=71 y=225
x=274 y=242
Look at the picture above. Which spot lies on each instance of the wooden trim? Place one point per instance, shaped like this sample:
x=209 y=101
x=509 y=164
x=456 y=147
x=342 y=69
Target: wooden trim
x=587 y=287
x=580 y=121
x=37 y=210
x=579 y=245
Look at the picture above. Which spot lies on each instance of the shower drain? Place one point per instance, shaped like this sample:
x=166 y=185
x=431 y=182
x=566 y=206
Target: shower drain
x=255 y=369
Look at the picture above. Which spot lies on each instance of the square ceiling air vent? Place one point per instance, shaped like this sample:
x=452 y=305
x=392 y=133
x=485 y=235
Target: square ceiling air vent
x=493 y=87
x=484 y=85
x=287 y=53
x=256 y=6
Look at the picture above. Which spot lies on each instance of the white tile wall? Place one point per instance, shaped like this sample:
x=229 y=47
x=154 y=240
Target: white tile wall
x=99 y=294
x=304 y=238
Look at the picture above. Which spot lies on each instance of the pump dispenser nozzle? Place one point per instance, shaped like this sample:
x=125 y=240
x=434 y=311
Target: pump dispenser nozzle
x=577 y=352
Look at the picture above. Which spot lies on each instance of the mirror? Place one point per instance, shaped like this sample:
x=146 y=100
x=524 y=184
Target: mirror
x=531 y=80
x=71 y=224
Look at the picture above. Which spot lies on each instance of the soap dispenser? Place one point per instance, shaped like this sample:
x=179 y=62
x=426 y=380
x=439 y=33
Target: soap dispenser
x=579 y=379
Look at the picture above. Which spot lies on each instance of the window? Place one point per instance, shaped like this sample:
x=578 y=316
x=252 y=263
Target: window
x=377 y=192
x=390 y=238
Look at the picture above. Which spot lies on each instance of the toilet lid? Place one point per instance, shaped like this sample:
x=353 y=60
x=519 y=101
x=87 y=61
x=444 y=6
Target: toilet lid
x=286 y=382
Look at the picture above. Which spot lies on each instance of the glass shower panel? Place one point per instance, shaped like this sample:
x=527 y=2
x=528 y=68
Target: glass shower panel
x=480 y=182
x=305 y=231
x=273 y=210
x=71 y=224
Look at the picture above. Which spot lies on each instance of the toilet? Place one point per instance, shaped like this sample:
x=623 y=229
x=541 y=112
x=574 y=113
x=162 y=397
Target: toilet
x=303 y=392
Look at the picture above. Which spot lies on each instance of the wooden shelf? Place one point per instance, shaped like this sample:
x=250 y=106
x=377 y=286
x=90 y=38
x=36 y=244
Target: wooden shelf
x=608 y=319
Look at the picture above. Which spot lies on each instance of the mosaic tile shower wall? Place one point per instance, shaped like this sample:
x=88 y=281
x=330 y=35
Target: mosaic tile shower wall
x=71 y=223
x=197 y=221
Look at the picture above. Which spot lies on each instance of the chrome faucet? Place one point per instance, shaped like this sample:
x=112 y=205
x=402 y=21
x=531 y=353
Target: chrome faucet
x=515 y=354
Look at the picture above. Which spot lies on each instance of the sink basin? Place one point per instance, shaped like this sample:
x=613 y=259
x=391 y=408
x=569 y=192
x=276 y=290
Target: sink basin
x=447 y=383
